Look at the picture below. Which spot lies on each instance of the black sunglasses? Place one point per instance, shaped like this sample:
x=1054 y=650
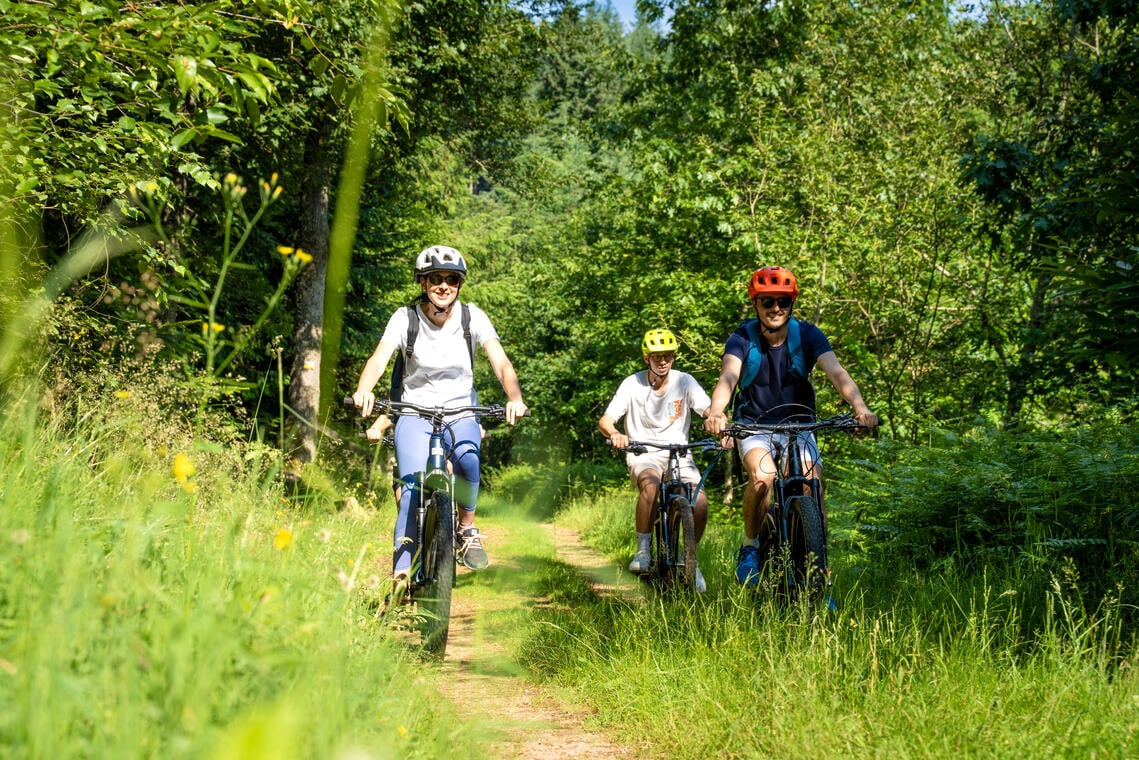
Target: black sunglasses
x=768 y=301
x=453 y=280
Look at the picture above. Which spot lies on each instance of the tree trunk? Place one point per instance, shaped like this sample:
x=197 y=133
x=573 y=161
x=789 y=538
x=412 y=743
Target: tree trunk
x=1024 y=370
x=308 y=299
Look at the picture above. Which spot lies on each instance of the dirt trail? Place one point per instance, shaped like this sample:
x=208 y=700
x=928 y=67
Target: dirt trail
x=531 y=722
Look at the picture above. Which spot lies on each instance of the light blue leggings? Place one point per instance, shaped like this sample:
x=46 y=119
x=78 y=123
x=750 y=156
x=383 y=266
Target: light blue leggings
x=412 y=438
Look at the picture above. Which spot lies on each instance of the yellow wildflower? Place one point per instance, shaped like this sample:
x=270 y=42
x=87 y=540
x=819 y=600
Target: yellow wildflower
x=285 y=250
x=304 y=258
x=183 y=467
x=283 y=539
x=215 y=326
x=122 y=394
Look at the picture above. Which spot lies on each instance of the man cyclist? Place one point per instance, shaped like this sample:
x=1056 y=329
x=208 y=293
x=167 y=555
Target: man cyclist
x=657 y=404
x=789 y=348
x=438 y=372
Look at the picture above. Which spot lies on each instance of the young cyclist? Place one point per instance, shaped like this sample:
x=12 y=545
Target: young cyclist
x=781 y=390
x=438 y=373
x=657 y=405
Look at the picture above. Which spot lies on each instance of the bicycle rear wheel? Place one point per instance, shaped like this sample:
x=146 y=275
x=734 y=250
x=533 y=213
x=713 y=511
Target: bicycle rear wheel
x=807 y=547
x=434 y=595
x=682 y=553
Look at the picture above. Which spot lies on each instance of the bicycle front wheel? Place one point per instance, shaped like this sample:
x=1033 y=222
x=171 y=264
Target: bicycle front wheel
x=807 y=547
x=682 y=553
x=434 y=596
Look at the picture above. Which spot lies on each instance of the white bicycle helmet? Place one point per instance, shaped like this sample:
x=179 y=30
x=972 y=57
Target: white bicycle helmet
x=440 y=258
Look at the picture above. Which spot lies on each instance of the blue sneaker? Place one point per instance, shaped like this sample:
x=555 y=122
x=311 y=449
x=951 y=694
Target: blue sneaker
x=832 y=605
x=747 y=566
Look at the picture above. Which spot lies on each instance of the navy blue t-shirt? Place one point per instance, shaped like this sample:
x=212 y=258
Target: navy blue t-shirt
x=777 y=393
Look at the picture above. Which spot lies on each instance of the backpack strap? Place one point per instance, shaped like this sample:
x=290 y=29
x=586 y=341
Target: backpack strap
x=413 y=330
x=755 y=351
x=396 y=389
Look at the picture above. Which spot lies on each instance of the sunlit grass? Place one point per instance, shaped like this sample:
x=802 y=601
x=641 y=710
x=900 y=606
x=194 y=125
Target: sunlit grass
x=142 y=617
x=923 y=667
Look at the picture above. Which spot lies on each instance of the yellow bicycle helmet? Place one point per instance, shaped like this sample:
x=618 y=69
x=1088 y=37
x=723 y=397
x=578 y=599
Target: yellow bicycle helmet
x=658 y=341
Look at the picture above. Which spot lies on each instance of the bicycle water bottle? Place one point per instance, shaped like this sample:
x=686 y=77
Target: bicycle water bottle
x=436 y=465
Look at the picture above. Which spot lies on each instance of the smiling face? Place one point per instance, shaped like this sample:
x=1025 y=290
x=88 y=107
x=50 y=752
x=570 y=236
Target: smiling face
x=660 y=362
x=441 y=288
x=773 y=310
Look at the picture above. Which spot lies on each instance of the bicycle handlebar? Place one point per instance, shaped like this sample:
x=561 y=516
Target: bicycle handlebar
x=642 y=447
x=844 y=421
x=432 y=412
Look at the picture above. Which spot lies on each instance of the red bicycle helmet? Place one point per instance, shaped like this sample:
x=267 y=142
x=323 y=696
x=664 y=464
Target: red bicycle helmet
x=773 y=280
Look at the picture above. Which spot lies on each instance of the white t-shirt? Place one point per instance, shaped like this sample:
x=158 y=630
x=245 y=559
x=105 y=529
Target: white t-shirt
x=658 y=417
x=438 y=373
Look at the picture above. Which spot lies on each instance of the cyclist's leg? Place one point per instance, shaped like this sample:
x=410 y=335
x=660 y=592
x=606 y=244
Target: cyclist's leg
x=760 y=468
x=412 y=436
x=464 y=442
x=645 y=473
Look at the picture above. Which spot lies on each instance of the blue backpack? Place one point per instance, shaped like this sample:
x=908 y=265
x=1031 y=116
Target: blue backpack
x=755 y=352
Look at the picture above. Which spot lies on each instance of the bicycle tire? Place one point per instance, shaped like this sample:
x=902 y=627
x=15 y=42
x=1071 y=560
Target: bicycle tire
x=807 y=547
x=433 y=597
x=659 y=552
x=682 y=553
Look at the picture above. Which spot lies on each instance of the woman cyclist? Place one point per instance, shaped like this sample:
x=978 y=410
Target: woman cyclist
x=438 y=372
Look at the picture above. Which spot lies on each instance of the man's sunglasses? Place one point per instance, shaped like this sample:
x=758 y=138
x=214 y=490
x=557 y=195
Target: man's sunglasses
x=453 y=280
x=768 y=301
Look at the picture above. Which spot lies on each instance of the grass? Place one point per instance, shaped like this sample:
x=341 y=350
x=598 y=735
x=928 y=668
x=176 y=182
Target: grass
x=202 y=611
x=143 y=615
x=922 y=667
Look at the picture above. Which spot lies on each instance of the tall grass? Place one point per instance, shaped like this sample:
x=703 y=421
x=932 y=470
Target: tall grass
x=146 y=612
x=927 y=666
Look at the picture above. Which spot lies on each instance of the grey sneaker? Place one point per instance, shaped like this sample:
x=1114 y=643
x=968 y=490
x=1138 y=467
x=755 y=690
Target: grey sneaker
x=700 y=585
x=468 y=543
x=640 y=563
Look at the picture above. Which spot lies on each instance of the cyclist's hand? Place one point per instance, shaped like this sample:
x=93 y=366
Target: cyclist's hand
x=382 y=425
x=618 y=440
x=867 y=419
x=514 y=410
x=715 y=423
x=365 y=401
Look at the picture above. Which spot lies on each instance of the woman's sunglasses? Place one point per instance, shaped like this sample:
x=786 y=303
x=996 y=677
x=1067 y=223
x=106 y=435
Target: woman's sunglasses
x=453 y=280
x=784 y=301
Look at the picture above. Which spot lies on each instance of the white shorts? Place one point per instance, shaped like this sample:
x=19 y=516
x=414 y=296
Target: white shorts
x=768 y=442
x=657 y=461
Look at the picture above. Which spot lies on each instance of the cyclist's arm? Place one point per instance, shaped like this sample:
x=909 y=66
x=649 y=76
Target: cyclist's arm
x=608 y=427
x=847 y=388
x=504 y=370
x=716 y=420
x=363 y=398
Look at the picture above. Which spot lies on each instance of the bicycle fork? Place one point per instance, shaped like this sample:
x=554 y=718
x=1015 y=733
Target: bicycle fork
x=434 y=478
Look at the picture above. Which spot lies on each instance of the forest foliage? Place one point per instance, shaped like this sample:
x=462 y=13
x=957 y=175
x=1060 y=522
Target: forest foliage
x=955 y=187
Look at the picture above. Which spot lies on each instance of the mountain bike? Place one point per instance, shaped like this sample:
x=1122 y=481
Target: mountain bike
x=793 y=548
x=672 y=552
x=432 y=573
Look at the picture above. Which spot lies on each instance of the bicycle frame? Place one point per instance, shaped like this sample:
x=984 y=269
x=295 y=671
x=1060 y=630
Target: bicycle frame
x=667 y=560
x=800 y=540
x=433 y=564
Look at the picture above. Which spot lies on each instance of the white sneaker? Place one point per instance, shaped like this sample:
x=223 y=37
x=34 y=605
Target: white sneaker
x=640 y=563
x=700 y=585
